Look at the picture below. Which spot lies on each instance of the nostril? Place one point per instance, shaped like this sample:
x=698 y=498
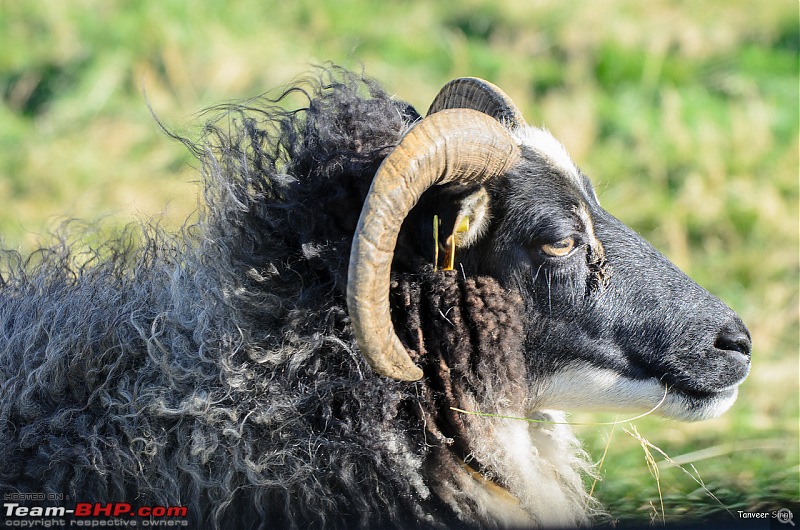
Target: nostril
x=734 y=338
x=742 y=345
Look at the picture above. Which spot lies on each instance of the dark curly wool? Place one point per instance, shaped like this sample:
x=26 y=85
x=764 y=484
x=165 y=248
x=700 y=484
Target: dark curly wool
x=469 y=334
x=216 y=368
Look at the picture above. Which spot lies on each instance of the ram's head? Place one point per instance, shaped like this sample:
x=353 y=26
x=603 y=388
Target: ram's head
x=610 y=322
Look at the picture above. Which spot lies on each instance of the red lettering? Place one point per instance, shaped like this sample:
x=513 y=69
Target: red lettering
x=113 y=509
x=177 y=511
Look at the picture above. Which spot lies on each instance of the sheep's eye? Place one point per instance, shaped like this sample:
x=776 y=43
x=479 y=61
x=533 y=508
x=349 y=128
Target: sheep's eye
x=559 y=249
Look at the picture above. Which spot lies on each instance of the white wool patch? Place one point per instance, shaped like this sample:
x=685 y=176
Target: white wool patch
x=546 y=145
x=589 y=388
x=407 y=463
x=540 y=465
x=493 y=505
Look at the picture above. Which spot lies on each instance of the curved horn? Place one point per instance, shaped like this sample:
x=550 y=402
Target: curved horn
x=478 y=94
x=450 y=146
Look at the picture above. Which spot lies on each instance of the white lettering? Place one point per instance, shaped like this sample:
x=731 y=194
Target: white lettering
x=753 y=515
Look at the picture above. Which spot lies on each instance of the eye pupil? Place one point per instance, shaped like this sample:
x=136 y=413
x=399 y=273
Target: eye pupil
x=559 y=248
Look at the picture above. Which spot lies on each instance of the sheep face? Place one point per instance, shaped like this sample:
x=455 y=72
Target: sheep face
x=612 y=323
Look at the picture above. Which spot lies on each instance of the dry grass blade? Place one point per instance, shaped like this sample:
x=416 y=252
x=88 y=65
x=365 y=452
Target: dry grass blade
x=654 y=468
x=722 y=450
x=602 y=461
x=651 y=465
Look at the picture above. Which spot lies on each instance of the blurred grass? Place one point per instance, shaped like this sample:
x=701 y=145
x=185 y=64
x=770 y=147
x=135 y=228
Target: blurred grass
x=685 y=114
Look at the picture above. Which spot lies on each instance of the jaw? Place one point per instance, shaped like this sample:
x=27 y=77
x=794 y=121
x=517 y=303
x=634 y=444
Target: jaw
x=589 y=388
x=533 y=473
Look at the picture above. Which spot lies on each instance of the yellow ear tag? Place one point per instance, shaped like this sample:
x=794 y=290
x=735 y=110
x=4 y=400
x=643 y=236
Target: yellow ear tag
x=436 y=225
x=462 y=226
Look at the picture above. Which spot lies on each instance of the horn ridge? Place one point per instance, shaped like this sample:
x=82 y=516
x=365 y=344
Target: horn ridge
x=481 y=95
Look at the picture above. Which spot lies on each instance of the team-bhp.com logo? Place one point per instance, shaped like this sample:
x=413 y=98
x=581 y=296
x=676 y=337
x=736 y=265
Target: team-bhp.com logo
x=89 y=514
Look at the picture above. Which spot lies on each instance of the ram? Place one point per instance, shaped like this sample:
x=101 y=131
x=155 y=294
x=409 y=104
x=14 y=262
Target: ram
x=293 y=358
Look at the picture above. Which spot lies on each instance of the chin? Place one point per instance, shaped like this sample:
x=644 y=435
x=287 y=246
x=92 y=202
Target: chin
x=588 y=388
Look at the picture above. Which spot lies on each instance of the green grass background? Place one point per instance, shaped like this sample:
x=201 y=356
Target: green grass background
x=685 y=114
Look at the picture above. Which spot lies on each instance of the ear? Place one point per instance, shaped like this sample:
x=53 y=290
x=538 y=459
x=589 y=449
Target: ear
x=458 y=222
x=472 y=219
x=468 y=226
x=463 y=215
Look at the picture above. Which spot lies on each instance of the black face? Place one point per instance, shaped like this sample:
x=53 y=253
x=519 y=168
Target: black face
x=611 y=319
